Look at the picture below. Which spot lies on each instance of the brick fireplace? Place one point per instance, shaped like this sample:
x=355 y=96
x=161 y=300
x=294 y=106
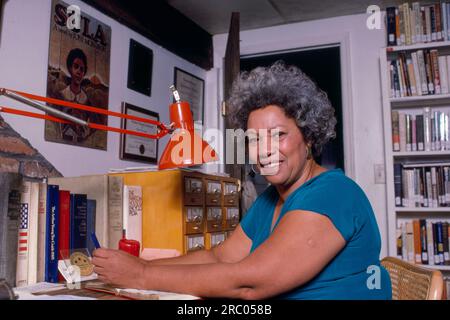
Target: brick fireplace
x=18 y=155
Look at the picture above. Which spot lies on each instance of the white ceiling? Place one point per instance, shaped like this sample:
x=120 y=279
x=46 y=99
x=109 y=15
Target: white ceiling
x=214 y=15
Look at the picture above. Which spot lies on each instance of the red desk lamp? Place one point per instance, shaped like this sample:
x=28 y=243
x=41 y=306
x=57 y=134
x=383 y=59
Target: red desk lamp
x=184 y=149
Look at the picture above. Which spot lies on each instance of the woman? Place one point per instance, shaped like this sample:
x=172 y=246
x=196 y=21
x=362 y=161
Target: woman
x=311 y=235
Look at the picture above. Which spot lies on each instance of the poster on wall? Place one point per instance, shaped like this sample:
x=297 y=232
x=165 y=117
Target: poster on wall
x=78 y=71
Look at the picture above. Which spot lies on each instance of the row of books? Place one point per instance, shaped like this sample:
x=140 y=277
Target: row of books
x=55 y=218
x=422 y=186
x=407 y=25
x=429 y=131
x=424 y=242
x=419 y=73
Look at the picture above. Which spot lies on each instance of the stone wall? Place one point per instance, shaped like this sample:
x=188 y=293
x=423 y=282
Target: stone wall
x=18 y=155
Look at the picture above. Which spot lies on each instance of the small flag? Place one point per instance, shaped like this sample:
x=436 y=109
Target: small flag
x=23 y=232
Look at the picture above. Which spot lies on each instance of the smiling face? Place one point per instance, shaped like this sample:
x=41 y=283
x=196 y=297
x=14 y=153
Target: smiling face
x=280 y=162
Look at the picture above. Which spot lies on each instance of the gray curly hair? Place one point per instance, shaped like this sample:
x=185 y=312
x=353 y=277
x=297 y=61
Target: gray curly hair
x=292 y=90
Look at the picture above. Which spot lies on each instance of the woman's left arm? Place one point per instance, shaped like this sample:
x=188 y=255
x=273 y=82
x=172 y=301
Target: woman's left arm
x=301 y=245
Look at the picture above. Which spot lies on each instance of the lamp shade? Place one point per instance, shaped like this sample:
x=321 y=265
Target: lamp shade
x=185 y=148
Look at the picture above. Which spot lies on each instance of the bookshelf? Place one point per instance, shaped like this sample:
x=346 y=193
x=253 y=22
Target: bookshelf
x=410 y=105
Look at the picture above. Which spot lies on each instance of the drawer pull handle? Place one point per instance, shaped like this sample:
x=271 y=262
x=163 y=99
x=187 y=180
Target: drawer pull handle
x=234 y=225
x=195 y=228
x=214 y=200
x=231 y=201
x=197 y=247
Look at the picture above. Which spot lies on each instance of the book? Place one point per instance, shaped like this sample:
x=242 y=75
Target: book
x=391 y=26
x=107 y=191
x=33 y=227
x=132 y=213
x=42 y=227
x=395 y=131
x=9 y=224
x=78 y=221
x=51 y=252
x=23 y=236
x=64 y=225
x=91 y=213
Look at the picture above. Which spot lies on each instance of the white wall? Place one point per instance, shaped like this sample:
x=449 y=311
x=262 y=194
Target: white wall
x=24 y=48
x=361 y=61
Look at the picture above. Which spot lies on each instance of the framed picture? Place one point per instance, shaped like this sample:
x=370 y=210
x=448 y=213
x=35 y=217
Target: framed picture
x=140 y=68
x=78 y=71
x=136 y=148
x=191 y=89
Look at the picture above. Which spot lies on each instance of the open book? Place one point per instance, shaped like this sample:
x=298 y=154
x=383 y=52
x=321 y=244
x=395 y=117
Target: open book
x=135 y=294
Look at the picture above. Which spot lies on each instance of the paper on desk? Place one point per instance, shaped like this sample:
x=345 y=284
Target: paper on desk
x=40 y=287
x=29 y=296
x=153 y=253
x=162 y=295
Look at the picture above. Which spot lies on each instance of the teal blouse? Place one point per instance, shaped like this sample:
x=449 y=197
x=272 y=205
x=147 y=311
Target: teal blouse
x=355 y=273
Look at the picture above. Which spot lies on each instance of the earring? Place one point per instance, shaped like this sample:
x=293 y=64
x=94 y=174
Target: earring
x=254 y=170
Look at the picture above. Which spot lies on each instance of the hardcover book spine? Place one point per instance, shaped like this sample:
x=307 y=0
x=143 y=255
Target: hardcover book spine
x=33 y=233
x=91 y=215
x=391 y=31
x=435 y=71
x=419 y=133
x=132 y=214
x=64 y=226
x=395 y=131
x=430 y=243
x=42 y=224
x=51 y=266
x=115 y=206
x=416 y=72
x=398 y=184
x=427 y=128
x=424 y=241
x=440 y=242
x=446 y=243
x=443 y=74
x=23 y=240
x=422 y=71
x=78 y=223
x=9 y=225
x=417 y=242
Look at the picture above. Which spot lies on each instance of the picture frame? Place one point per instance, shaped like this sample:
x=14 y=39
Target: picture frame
x=140 y=68
x=134 y=148
x=191 y=89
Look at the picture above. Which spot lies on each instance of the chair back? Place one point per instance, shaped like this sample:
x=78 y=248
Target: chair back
x=413 y=282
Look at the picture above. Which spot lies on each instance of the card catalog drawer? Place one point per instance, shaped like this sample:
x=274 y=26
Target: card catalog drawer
x=194 y=219
x=231 y=218
x=214 y=219
x=231 y=201
x=213 y=187
x=193 y=185
x=195 y=242
x=214 y=239
x=231 y=189
x=213 y=200
x=193 y=191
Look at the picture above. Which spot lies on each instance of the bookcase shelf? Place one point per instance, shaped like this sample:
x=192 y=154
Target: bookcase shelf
x=435 y=267
x=432 y=154
x=414 y=105
x=423 y=210
x=418 y=46
x=406 y=101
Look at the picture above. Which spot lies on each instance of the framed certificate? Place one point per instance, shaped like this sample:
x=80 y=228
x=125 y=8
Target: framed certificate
x=136 y=148
x=192 y=90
